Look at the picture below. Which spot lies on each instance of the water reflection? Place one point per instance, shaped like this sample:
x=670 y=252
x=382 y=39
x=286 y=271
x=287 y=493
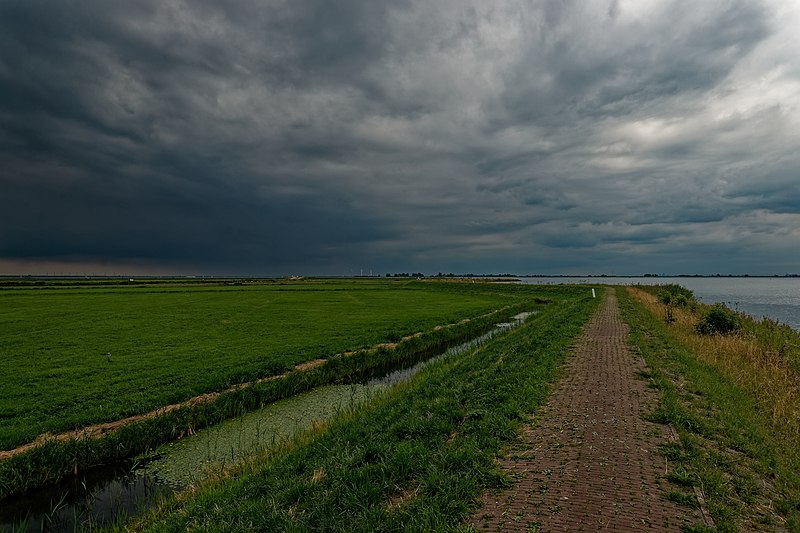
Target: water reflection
x=91 y=499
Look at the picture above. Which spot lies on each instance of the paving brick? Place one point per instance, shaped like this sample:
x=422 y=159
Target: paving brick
x=589 y=461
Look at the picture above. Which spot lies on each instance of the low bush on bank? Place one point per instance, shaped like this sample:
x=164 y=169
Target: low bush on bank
x=674 y=294
x=674 y=297
x=718 y=319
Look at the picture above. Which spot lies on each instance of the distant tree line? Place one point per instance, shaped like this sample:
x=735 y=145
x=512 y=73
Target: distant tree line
x=447 y=275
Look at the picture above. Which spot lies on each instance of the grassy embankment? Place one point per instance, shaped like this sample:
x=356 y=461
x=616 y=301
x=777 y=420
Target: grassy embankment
x=735 y=402
x=413 y=459
x=75 y=355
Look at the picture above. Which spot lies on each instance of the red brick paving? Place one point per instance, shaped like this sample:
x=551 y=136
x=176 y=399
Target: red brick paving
x=589 y=462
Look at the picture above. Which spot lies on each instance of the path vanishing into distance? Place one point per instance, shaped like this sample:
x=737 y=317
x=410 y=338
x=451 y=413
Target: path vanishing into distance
x=588 y=460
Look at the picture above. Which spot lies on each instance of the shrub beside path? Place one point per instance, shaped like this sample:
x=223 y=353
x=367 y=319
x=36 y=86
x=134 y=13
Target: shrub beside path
x=589 y=461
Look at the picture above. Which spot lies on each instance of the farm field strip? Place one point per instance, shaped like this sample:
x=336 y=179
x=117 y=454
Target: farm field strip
x=98 y=430
x=76 y=356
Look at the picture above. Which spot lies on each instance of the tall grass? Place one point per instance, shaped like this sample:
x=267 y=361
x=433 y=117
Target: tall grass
x=762 y=357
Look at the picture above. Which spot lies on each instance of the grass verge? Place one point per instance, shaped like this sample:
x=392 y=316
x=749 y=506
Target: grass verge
x=414 y=459
x=746 y=465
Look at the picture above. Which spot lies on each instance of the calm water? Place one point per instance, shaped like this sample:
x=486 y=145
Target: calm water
x=775 y=298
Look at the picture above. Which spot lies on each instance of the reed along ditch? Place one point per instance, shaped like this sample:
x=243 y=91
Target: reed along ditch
x=102 y=496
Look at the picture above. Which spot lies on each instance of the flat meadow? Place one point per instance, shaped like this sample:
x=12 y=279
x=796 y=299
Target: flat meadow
x=79 y=353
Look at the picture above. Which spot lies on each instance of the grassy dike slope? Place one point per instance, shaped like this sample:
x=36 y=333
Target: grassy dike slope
x=743 y=459
x=414 y=459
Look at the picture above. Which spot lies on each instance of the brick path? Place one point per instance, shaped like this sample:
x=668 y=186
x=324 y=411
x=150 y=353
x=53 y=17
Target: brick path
x=589 y=462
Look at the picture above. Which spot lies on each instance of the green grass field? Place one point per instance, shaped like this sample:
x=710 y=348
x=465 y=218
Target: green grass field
x=75 y=354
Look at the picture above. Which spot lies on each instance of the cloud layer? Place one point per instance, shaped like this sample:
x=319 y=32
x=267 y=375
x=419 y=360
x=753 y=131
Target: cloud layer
x=266 y=138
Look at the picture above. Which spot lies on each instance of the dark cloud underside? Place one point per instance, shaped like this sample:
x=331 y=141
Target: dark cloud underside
x=318 y=137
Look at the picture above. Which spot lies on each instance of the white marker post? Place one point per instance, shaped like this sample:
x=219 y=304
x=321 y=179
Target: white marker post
x=593 y=294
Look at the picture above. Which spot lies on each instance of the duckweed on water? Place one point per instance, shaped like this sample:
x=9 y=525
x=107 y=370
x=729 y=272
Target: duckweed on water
x=183 y=462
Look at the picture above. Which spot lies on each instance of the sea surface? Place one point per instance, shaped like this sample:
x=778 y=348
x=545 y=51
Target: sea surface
x=775 y=298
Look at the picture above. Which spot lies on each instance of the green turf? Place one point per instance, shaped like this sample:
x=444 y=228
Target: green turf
x=77 y=354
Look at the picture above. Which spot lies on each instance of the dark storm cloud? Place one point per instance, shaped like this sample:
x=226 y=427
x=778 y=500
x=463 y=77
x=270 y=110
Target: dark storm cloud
x=310 y=136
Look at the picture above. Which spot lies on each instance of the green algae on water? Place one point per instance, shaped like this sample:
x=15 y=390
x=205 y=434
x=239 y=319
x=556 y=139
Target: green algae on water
x=183 y=462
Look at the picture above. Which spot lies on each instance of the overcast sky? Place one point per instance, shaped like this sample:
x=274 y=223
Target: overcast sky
x=321 y=137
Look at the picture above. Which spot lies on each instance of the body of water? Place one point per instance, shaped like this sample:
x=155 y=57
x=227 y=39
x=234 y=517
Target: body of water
x=775 y=298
